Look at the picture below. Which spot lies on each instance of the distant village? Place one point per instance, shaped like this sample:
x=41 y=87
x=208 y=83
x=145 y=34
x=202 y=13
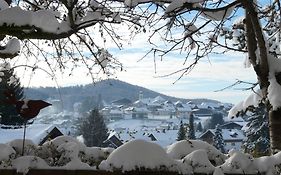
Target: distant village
x=157 y=120
x=153 y=119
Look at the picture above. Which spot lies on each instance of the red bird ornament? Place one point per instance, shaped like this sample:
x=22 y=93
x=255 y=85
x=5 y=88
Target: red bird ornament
x=27 y=109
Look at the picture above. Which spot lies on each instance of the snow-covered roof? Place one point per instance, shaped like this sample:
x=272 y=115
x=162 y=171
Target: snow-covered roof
x=34 y=132
x=141 y=109
x=184 y=109
x=159 y=98
x=228 y=134
x=178 y=103
x=162 y=138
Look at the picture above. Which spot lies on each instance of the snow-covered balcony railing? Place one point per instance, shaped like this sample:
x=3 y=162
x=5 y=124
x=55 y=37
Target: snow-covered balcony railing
x=66 y=155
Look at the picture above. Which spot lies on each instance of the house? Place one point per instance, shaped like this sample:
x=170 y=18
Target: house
x=183 y=110
x=38 y=133
x=113 y=112
x=233 y=138
x=138 y=110
x=113 y=141
x=166 y=109
x=232 y=125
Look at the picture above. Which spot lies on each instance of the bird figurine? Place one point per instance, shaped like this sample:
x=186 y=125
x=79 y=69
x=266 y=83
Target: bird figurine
x=27 y=109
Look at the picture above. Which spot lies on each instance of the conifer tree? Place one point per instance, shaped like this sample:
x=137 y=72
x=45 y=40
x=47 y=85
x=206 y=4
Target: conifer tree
x=257 y=134
x=216 y=118
x=218 y=139
x=9 y=82
x=181 y=132
x=199 y=127
x=93 y=129
x=191 y=131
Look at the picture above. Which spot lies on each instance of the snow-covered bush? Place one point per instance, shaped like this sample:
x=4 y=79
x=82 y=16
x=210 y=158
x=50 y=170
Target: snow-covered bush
x=183 y=157
x=180 y=149
x=95 y=155
x=54 y=151
x=25 y=163
x=7 y=153
x=239 y=163
x=199 y=162
x=138 y=155
x=29 y=147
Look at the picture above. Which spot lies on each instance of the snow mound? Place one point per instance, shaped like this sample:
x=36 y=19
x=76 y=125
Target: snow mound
x=267 y=164
x=76 y=164
x=138 y=154
x=3 y=5
x=12 y=47
x=199 y=162
x=6 y=152
x=25 y=163
x=239 y=163
x=94 y=155
x=61 y=140
x=29 y=146
x=70 y=151
x=180 y=149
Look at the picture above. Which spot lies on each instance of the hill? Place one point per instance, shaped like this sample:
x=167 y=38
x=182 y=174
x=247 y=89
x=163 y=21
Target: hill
x=109 y=90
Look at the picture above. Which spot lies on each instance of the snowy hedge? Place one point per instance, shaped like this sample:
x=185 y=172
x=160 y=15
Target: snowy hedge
x=182 y=157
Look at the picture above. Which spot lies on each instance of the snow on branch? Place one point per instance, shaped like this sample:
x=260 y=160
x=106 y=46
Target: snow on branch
x=274 y=89
x=254 y=99
x=11 y=49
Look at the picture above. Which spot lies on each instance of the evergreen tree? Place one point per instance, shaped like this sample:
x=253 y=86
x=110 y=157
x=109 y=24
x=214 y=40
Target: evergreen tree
x=199 y=127
x=257 y=134
x=181 y=132
x=93 y=129
x=191 y=131
x=9 y=83
x=216 y=118
x=218 y=139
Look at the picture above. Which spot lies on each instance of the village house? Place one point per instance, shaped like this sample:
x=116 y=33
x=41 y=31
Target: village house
x=233 y=138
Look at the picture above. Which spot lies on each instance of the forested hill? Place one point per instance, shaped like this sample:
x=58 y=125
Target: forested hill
x=109 y=90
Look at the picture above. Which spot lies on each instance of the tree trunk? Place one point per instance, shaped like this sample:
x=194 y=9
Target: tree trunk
x=275 y=130
x=255 y=40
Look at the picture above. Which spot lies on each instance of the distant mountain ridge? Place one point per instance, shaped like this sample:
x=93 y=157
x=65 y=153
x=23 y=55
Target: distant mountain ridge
x=109 y=90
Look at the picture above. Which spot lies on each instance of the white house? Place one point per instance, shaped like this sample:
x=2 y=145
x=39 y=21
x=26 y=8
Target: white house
x=183 y=110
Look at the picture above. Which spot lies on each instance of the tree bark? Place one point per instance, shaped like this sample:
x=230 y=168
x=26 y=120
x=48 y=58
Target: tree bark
x=275 y=130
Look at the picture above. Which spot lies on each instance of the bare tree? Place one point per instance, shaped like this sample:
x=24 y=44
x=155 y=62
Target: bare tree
x=65 y=31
